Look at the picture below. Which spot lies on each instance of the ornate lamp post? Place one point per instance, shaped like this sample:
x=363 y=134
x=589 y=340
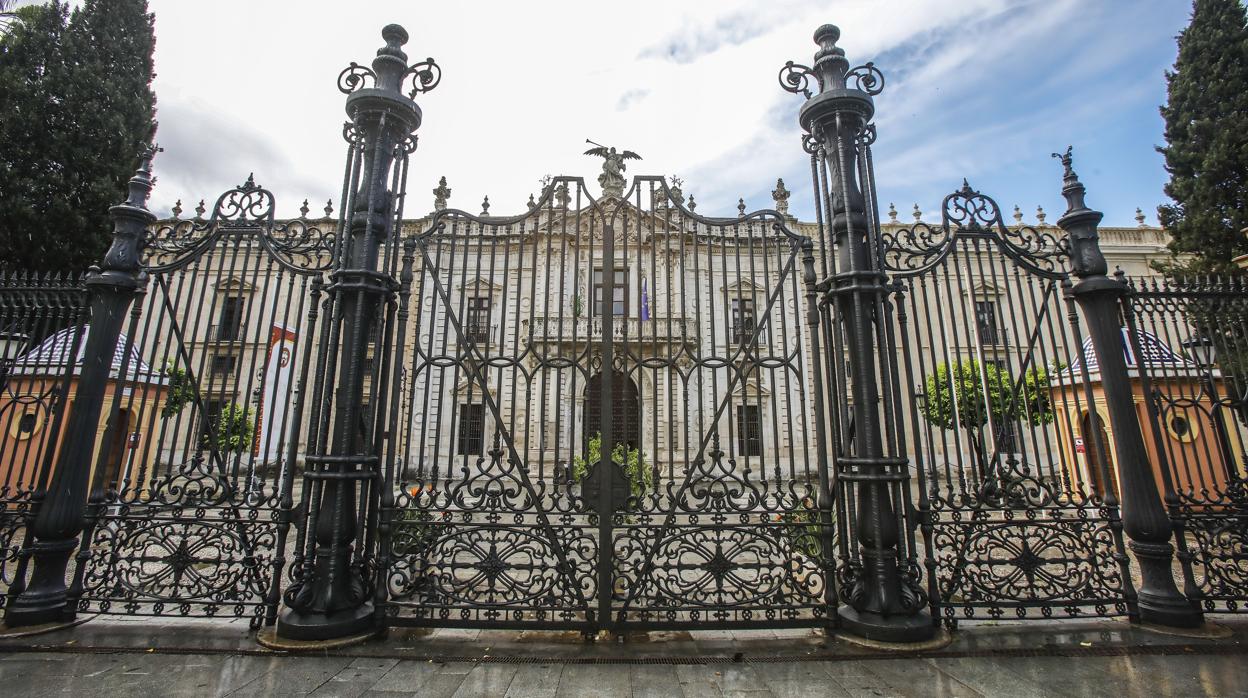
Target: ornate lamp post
x=331 y=594
x=58 y=523
x=1143 y=517
x=884 y=603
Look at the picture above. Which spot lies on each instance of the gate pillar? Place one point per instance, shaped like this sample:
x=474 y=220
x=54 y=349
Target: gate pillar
x=331 y=595
x=1143 y=517
x=59 y=519
x=884 y=602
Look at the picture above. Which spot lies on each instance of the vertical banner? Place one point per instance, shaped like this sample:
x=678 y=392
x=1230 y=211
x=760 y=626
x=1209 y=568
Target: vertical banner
x=274 y=394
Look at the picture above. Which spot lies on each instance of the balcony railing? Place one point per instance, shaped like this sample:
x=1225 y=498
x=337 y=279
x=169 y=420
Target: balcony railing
x=658 y=331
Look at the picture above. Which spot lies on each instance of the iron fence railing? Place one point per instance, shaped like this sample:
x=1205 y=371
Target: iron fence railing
x=1189 y=338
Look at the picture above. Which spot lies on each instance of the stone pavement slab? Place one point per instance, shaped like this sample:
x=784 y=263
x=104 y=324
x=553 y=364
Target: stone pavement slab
x=216 y=658
x=157 y=674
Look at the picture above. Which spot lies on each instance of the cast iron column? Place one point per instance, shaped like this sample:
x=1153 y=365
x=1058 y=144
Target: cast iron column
x=1143 y=516
x=883 y=604
x=59 y=520
x=332 y=597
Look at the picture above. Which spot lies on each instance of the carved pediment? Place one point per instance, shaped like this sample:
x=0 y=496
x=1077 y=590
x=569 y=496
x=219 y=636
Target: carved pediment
x=744 y=287
x=234 y=285
x=481 y=286
x=984 y=290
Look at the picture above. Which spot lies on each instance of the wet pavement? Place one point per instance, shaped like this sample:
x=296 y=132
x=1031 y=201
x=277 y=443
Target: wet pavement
x=152 y=657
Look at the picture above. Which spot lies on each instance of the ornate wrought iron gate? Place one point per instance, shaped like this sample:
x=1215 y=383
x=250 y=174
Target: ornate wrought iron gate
x=1016 y=493
x=528 y=345
x=191 y=492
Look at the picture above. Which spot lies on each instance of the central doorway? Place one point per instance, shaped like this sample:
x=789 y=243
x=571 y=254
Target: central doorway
x=625 y=409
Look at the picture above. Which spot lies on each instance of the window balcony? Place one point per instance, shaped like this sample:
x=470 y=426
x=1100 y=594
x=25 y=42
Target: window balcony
x=656 y=332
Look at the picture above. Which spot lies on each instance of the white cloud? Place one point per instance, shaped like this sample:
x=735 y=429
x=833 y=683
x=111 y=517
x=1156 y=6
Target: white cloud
x=691 y=86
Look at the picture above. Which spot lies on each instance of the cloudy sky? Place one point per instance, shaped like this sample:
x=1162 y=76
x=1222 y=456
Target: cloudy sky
x=983 y=89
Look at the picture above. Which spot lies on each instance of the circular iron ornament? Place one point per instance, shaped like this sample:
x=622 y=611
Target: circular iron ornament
x=811 y=144
x=796 y=78
x=424 y=77
x=867 y=78
x=866 y=138
x=355 y=77
x=352 y=134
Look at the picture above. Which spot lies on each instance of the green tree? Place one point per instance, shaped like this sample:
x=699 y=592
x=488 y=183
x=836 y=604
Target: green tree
x=967 y=394
x=179 y=391
x=234 y=430
x=1206 y=150
x=76 y=96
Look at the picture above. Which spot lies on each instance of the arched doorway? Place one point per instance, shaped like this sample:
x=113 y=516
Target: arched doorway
x=1093 y=427
x=625 y=409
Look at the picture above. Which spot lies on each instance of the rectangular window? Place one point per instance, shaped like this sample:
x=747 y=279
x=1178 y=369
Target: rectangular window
x=749 y=430
x=744 y=320
x=231 y=318
x=477 y=320
x=986 y=322
x=619 y=294
x=224 y=364
x=471 y=430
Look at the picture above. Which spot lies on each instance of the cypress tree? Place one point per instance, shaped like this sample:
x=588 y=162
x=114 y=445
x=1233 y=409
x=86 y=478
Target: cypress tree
x=1206 y=154
x=77 y=102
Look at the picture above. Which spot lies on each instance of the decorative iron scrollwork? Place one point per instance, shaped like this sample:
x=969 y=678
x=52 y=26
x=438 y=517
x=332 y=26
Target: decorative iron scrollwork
x=811 y=144
x=246 y=210
x=866 y=137
x=1047 y=563
x=914 y=249
x=867 y=78
x=246 y=203
x=423 y=76
x=796 y=78
x=969 y=213
x=352 y=134
x=355 y=77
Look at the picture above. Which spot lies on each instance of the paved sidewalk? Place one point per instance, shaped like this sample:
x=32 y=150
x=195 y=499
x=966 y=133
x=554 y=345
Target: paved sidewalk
x=215 y=658
x=125 y=674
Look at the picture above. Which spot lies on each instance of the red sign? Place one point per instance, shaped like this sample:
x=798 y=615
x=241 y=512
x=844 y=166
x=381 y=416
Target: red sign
x=1079 y=446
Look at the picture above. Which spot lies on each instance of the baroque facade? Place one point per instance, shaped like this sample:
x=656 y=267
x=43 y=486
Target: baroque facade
x=502 y=346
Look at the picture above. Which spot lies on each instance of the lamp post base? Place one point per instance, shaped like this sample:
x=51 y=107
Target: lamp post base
x=296 y=625
x=916 y=627
x=1170 y=612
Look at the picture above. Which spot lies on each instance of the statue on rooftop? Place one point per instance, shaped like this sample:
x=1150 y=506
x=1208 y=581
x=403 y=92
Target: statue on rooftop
x=612 y=178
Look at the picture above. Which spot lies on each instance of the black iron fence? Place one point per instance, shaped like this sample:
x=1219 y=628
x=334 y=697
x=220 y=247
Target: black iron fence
x=1188 y=341
x=43 y=319
x=614 y=413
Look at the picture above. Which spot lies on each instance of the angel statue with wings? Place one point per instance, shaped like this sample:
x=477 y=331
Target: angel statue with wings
x=612 y=179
